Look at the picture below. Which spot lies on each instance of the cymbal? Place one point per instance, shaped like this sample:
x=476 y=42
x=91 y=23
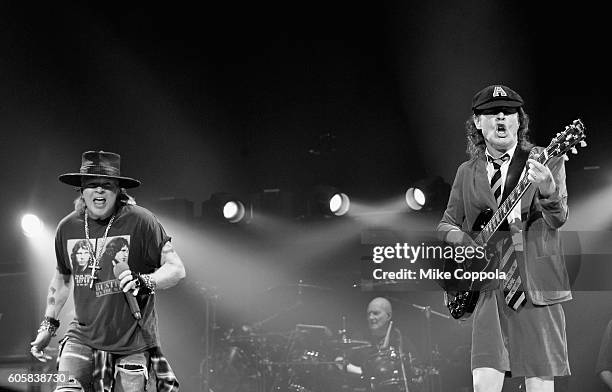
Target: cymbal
x=301 y=363
x=299 y=285
x=351 y=344
x=253 y=336
x=391 y=284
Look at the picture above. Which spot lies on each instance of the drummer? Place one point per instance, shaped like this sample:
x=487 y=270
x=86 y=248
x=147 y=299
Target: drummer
x=379 y=315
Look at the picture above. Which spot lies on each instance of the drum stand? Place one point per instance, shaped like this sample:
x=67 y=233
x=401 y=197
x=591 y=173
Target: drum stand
x=428 y=312
x=430 y=387
x=401 y=352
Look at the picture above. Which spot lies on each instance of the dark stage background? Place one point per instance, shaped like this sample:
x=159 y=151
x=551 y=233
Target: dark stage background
x=240 y=98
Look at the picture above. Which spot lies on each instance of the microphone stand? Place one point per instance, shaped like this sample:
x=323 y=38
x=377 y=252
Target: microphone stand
x=210 y=303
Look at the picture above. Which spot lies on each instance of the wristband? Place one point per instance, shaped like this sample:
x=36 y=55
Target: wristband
x=49 y=324
x=148 y=282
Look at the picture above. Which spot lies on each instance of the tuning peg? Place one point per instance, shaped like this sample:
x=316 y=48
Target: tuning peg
x=583 y=143
x=565 y=157
x=574 y=150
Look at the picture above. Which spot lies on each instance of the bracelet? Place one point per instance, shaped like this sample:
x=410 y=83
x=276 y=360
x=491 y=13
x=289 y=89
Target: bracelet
x=49 y=324
x=148 y=282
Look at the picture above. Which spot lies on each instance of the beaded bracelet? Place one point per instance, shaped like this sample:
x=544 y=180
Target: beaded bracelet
x=49 y=324
x=148 y=282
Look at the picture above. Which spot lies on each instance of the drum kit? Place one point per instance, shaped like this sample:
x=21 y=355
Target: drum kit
x=309 y=358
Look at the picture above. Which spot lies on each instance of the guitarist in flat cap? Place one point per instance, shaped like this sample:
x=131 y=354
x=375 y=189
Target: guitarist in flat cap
x=518 y=321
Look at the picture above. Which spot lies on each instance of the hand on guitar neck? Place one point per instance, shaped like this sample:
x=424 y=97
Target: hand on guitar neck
x=541 y=176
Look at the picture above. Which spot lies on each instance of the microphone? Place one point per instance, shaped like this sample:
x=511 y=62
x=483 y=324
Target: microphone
x=118 y=270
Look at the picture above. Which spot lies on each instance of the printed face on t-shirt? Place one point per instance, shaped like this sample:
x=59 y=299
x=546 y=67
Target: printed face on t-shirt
x=114 y=249
x=122 y=255
x=82 y=256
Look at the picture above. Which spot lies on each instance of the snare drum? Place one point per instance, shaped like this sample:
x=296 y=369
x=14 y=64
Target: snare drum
x=382 y=371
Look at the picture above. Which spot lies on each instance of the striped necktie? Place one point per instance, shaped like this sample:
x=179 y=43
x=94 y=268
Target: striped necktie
x=496 y=179
x=514 y=294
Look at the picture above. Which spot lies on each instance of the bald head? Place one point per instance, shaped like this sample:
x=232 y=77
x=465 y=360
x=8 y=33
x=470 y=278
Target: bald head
x=379 y=315
x=380 y=303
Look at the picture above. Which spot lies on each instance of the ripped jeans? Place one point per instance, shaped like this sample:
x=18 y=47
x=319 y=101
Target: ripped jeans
x=130 y=373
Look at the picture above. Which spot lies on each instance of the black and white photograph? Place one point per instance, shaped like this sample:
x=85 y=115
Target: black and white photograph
x=392 y=196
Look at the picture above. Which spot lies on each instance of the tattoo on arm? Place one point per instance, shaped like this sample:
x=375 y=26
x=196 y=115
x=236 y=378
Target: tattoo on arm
x=172 y=269
x=50 y=297
x=166 y=252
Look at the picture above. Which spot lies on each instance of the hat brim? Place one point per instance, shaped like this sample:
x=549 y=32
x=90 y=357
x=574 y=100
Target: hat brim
x=74 y=179
x=499 y=103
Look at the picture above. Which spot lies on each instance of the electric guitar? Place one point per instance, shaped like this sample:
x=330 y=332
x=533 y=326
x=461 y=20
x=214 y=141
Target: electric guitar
x=462 y=301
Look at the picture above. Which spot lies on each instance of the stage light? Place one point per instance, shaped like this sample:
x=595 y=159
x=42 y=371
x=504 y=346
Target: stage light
x=223 y=206
x=233 y=211
x=31 y=225
x=415 y=198
x=427 y=193
x=330 y=201
x=339 y=204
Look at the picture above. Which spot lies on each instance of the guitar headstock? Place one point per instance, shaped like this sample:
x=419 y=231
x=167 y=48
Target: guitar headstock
x=565 y=141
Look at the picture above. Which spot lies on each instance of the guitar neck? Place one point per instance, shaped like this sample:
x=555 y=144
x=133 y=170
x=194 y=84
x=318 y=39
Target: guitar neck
x=508 y=205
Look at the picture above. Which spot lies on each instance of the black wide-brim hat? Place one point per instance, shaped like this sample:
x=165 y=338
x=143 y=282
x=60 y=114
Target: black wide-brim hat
x=99 y=164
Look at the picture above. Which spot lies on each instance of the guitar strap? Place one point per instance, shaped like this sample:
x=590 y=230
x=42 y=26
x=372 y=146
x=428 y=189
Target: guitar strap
x=517 y=164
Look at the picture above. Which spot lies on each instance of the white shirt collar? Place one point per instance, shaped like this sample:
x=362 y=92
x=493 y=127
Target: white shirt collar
x=510 y=152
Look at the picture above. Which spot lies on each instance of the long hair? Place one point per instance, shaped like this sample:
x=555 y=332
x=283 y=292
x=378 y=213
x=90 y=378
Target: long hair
x=123 y=199
x=82 y=244
x=114 y=246
x=476 y=143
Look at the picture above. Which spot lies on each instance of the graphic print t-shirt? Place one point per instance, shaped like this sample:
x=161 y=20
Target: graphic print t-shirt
x=103 y=318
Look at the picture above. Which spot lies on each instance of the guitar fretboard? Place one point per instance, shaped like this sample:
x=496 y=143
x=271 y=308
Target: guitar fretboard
x=507 y=205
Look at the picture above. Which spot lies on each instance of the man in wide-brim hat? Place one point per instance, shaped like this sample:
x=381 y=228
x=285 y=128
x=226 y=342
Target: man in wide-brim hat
x=114 y=337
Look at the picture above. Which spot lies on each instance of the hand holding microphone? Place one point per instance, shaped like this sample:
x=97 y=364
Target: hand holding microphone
x=129 y=283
